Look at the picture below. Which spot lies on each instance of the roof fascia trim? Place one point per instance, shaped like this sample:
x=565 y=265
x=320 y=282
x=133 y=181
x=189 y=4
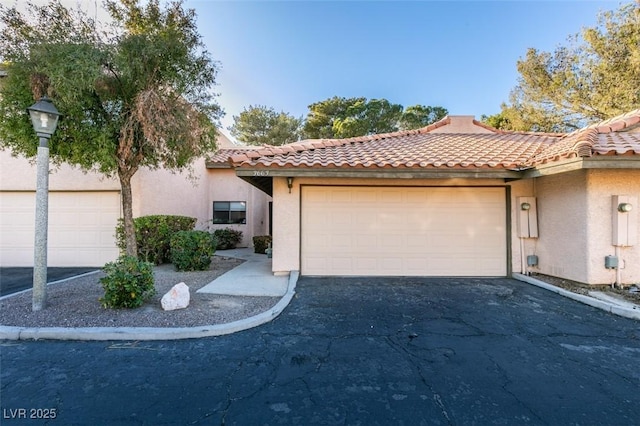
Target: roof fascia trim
x=380 y=174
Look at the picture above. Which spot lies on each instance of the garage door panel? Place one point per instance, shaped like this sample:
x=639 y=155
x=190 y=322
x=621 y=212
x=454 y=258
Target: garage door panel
x=81 y=228
x=404 y=231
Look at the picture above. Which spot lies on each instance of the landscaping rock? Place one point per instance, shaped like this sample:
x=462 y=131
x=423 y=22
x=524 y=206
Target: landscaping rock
x=176 y=298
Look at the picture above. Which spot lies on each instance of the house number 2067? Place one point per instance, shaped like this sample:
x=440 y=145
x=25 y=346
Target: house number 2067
x=261 y=173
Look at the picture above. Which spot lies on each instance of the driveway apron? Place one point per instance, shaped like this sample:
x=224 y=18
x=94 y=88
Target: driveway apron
x=356 y=351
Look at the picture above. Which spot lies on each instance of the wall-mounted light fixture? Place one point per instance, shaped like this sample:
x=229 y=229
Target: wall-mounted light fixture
x=625 y=207
x=289 y=183
x=525 y=206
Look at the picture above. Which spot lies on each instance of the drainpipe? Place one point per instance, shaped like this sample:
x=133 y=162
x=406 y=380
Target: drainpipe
x=618 y=283
x=524 y=268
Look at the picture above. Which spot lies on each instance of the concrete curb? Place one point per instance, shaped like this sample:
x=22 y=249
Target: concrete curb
x=151 y=333
x=587 y=300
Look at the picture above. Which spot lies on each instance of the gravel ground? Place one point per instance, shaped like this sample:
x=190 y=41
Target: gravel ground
x=630 y=294
x=75 y=303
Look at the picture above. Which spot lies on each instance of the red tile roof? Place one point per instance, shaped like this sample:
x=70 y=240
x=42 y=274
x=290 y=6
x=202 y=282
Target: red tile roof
x=423 y=148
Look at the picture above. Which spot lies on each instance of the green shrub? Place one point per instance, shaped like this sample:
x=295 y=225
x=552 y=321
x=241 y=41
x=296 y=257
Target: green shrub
x=128 y=284
x=192 y=250
x=227 y=238
x=261 y=243
x=153 y=235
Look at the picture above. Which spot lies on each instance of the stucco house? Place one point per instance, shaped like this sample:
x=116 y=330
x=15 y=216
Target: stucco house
x=457 y=198
x=84 y=207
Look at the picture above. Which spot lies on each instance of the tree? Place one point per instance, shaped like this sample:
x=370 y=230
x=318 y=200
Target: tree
x=367 y=118
x=418 y=116
x=322 y=115
x=596 y=76
x=260 y=125
x=348 y=117
x=133 y=94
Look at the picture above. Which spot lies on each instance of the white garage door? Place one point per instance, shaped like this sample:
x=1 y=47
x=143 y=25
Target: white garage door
x=403 y=231
x=81 y=228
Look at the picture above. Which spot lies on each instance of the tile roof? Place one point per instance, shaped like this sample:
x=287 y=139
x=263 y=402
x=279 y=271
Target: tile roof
x=424 y=148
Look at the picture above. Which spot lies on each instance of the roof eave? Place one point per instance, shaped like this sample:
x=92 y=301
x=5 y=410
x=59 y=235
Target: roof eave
x=398 y=173
x=577 y=163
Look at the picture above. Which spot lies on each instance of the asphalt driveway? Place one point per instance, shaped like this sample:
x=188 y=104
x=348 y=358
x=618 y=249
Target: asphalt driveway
x=350 y=351
x=17 y=279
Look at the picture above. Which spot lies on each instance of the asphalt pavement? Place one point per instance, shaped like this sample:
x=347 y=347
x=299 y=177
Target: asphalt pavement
x=15 y=279
x=352 y=351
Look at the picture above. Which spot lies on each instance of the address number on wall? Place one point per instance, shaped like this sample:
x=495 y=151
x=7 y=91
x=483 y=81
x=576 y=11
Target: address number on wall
x=261 y=173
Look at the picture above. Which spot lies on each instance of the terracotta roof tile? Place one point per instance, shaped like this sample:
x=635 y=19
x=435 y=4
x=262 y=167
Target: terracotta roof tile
x=423 y=149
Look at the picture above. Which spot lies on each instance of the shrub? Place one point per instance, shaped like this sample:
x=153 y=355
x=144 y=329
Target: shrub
x=153 y=235
x=261 y=243
x=192 y=250
x=227 y=238
x=128 y=283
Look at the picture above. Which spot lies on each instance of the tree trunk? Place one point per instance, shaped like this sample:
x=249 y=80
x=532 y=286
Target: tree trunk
x=127 y=212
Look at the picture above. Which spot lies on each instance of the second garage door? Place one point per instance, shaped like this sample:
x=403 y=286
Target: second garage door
x=403 y=231
x=81 y=228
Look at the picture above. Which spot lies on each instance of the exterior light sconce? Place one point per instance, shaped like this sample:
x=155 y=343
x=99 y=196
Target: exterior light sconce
x=625 y=207
x=525 y=206
x=289 y=183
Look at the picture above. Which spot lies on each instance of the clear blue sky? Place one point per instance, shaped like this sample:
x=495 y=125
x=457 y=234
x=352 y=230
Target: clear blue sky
x=455 y=54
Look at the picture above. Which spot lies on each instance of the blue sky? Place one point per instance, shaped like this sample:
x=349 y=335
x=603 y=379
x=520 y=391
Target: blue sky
x=455 y=54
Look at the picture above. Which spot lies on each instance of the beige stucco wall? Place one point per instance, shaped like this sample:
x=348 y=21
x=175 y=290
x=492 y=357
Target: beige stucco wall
x=154 y=191
x=19 y=174
x=575 y=222
x=562 y=217
x=163 y=192
x=224 y=185
x=602 y=185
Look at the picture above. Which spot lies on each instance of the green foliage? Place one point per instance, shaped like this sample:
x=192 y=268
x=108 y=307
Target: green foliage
x=227 y=238
x=260 y=125
x=192 y=250
x=595 y=77
x=128 y=283
x=348 y=117
x=153 y=235
x=133 y=93
x=497 y=121
x=367 y=118
x=418 y=116
x=261 y=243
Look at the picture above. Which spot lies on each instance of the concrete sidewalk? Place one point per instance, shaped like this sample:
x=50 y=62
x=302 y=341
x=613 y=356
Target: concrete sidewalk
x=252 y=278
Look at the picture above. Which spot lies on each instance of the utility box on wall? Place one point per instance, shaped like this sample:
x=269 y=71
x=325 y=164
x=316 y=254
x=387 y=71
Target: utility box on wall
x=625 y=220
x=527 y=212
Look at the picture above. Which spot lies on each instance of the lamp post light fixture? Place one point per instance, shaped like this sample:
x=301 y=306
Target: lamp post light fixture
x=44 y=117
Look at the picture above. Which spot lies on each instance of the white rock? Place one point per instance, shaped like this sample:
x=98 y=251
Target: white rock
x=176 y=298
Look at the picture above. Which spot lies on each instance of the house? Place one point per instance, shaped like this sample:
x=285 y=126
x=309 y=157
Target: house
x=457 y=198
x=84 y=207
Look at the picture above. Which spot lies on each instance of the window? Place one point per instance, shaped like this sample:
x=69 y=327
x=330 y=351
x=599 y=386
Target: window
x=229 y=212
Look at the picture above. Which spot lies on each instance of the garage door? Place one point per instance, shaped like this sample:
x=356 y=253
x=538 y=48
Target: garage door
x=81 y=228
x=403 y=231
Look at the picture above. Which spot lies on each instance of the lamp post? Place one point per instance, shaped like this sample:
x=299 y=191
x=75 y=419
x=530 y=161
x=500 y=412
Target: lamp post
x=44 y=117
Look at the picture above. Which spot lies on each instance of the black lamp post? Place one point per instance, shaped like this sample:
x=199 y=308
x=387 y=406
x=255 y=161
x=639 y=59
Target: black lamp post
x=44 y=117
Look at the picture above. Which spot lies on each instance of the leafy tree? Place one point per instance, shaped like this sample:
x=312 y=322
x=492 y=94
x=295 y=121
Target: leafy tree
x=418 y=116
x=133 y=94
x=259 y=125
x=348 y=117
x=319 y=123
x=596 y=76
x=368 y=118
